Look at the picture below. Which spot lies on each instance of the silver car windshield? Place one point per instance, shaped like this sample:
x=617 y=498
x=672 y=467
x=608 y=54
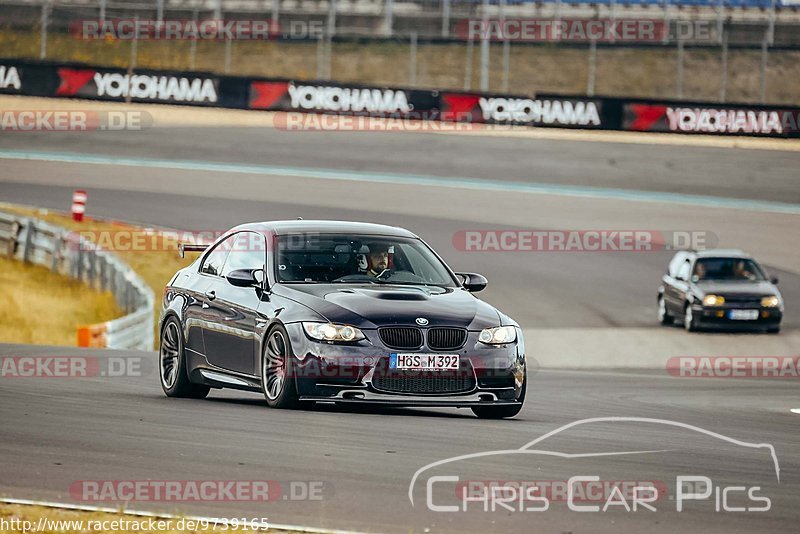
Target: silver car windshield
x=728 y=270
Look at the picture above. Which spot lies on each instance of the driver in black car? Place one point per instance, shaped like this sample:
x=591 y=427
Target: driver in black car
x=377 y=259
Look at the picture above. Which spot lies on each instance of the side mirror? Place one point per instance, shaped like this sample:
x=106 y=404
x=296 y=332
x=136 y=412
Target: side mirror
x=472 y=282
x=246 y=277
x=774 y=279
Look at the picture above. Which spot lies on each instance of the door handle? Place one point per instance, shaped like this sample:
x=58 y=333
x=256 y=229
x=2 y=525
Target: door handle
x=211 y=295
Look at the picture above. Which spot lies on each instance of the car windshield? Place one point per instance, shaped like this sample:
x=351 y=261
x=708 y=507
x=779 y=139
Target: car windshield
x=354 y=258
x=728 y=269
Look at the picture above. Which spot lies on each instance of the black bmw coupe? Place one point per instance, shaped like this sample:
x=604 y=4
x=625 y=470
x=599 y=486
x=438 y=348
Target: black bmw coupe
x=343 y=312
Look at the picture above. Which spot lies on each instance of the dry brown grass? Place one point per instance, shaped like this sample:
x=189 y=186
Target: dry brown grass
x=40 y=307
x=154 y=267
x=633 y=72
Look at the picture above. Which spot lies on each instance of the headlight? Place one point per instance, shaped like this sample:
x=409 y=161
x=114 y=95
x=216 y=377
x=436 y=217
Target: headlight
x=498 y=335
x=771 y=302
x=713 y=300
x=332 y=332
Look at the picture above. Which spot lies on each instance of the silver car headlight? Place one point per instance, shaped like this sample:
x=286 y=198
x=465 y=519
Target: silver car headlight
x=333 y=332
x=499 y=335
x=713 y=300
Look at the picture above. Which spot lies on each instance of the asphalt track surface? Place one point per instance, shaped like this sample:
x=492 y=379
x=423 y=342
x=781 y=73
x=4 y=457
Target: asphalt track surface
x=59 y=431
x=612 y=289
x=56 y=432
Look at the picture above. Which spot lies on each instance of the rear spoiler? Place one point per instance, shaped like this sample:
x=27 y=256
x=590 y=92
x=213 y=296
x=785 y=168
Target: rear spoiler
x=183 y=248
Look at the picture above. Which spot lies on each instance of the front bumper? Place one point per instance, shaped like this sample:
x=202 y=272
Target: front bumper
x=365 y=396
x=718 y=317
x=358 y=372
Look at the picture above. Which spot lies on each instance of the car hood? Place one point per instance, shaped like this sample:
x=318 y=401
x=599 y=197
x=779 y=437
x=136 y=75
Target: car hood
x=755 y=289
x=373 y=306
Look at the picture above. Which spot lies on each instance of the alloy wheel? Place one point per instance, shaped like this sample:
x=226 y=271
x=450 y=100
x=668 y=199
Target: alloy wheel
x=273 y=373
x=170 y=354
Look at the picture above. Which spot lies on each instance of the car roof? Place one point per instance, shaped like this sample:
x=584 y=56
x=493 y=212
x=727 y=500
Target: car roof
x=722 y=253
x=325 y=227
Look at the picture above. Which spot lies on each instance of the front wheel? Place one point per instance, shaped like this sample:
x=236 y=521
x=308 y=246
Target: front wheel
x=502 y=412
x=277 y=381
x=663 y=316
x=689 y=320
x=172 y=362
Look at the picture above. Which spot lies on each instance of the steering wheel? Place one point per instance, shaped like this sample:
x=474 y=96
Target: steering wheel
x=385 y=274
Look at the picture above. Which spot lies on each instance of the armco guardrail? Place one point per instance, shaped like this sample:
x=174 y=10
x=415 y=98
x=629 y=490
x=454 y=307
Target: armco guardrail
x=560 y=111
x=32 y=240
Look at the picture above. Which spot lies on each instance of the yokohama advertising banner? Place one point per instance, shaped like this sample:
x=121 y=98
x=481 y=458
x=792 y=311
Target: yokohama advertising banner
x=565 y=112
x=140 y=86
x=316 y=97
x=711 y=119
x=50 y=79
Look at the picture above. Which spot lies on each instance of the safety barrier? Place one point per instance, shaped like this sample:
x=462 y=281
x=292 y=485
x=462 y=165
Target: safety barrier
x=41 y=78
x=34 y=241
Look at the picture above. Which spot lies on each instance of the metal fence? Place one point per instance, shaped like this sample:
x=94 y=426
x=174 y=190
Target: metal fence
x=392 y=18
x=34 y=241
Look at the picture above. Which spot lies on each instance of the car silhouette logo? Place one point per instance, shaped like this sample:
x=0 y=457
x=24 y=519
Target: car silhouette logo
x=422 y=321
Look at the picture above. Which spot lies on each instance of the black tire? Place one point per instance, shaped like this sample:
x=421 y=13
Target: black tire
x=689 y=320
x=277 y=379
x=663 y=315
x=173 y=375
x=774 y=330
x=503 y=412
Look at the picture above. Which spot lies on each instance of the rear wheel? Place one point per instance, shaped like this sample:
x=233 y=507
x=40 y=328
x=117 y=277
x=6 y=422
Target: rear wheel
x=172 y=362
x=277 y=381
x=502 y=412
x=663 y=316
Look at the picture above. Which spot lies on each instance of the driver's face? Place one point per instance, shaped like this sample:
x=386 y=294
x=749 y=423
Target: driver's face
x=379 y=260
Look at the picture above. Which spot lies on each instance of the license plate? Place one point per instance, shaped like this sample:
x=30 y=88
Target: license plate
x=743 y=315
x=423 y=361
